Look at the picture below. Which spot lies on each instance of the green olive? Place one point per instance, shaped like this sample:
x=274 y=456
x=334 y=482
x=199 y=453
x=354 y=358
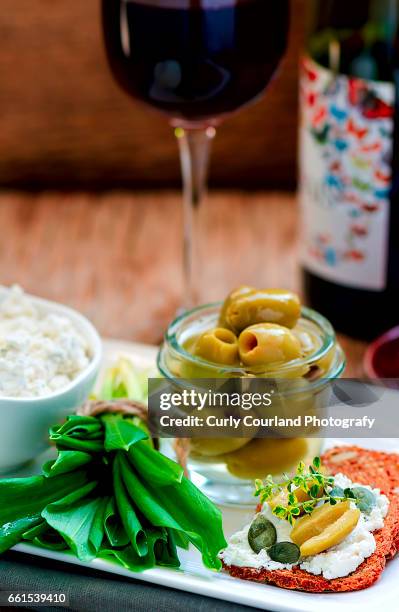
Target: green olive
x=233 y=295
x=284 y=552
x=218 y=345
x=263 y=456
x=267 y=306
x=213 y=447
x=325 y=363
x=262 y=534
x=268 y=343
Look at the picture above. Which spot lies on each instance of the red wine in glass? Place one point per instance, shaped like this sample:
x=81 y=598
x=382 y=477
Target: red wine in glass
x=196 y=61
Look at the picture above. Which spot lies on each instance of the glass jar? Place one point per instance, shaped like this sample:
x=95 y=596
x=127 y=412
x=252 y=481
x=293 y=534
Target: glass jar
x=226 y=472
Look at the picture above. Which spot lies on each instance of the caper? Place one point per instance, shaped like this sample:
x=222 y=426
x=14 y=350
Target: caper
x=262 y=534
x=284 y=552
x=364 y=498
x=267 y=306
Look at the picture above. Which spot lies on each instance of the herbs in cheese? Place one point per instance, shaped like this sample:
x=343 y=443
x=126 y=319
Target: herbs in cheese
x=40 y=352
x=336 y=562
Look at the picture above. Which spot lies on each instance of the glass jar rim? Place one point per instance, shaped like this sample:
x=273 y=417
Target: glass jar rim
x=328 y=343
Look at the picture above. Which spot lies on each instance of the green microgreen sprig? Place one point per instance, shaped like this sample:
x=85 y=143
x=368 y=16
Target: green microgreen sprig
x=318 y=486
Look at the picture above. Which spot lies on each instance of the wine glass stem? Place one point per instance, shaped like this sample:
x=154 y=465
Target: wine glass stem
x=194 y=148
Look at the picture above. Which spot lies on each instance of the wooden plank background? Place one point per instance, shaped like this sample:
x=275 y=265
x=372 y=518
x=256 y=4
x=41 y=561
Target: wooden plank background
x=65 y=124
x=116 y=257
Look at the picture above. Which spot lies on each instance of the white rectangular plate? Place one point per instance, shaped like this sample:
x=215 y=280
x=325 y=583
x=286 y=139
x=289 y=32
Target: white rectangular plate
x=194 y=578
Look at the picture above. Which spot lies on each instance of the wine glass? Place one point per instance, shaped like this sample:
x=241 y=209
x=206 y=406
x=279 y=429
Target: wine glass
x=197 y=61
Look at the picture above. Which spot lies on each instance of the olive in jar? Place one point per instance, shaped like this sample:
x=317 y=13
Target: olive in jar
x=233 y=295
x=268 y=343
x=267 y=306
x=218 y=345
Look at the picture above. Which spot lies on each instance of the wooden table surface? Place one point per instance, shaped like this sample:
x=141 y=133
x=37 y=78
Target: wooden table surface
x=117 y=256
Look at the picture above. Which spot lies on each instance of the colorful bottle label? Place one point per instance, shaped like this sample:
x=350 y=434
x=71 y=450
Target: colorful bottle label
x=346 y=144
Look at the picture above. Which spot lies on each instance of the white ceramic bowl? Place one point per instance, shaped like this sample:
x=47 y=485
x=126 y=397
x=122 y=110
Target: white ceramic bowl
x=24 y=422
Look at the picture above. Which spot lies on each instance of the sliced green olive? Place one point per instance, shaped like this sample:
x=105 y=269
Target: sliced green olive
x=262 y=534
x=284 y=552
x=333 y=534
x=267 y=343
x=233 y=295
x=218 y=345
x=267 y=306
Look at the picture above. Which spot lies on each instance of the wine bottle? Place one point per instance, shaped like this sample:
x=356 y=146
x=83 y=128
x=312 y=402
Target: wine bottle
x=349 y=164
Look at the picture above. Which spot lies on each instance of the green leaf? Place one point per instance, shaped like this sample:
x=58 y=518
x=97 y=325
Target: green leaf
x=97 y=531
x=142 y=425
x=165 y=549
x=308 y=507
x=280 y=511
x=89 y=446
x=63 y=503
x=161 y=551
x=153 y=466
x=138 y=517
x=51 y=540
x=67 y=442
x=73 y=517
x=35 y=531
x=45 y=536
x=127 y=513
x=180 y=539
x=317 y=462
x=113 y=527
x=67 y=461
x=301 y=468
x=314 y=491
x=182 y=507
x=12 y=532
x=120 y=433
x=127 y=557
x=79 y=433
x=77 y=426
x=22 y=497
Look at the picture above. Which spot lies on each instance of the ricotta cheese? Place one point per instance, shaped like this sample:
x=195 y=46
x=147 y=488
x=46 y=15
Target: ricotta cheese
x=40 y=353
x=336 y=562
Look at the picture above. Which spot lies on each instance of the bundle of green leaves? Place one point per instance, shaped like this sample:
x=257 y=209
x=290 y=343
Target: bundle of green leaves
x=110 y=494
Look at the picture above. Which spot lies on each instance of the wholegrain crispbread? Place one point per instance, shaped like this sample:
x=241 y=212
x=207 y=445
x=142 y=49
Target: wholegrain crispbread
x=378 y=469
